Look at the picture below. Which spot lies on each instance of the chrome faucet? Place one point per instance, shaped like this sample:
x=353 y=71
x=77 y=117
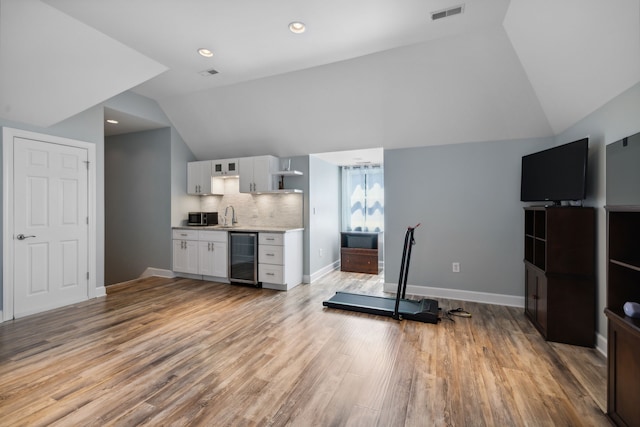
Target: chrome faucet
x=233 y=215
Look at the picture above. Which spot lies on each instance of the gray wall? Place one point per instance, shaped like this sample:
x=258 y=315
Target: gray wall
x=613 y=121
x=138 y=204
x=181 y=202
x=324 y=214
x=467 y=199
x=301 y=163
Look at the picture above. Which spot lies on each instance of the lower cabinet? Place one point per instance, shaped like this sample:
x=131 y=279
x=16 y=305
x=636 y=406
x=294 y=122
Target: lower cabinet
x=206 y=253
x=623 y=386
x=358 y=260
x=200 y=252
x=359 y=252
x=185 y=251
x=280 y=260
x=561 y=307
x=212 y=253
x=535 y=285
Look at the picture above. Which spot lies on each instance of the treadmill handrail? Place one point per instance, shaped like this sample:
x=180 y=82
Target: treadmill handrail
x=404 y=269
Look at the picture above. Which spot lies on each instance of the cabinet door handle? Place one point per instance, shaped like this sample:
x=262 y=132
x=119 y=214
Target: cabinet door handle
x=270 y=274
x=270 y=254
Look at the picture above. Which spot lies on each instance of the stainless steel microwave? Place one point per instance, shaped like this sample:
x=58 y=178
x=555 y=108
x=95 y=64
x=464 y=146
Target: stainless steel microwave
x=202 y=218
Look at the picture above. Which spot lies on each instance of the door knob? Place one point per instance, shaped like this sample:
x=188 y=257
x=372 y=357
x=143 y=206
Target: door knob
x=22 y=237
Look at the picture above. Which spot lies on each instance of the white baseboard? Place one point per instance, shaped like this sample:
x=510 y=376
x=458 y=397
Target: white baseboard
x=101 y=291
x=159 y=272
x=601 y=344
x=483 y=297
x=322 y=272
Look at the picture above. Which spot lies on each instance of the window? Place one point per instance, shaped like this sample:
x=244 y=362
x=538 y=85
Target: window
x=362 y=198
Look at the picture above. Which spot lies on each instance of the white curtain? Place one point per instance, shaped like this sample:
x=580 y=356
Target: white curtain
x=362 y=198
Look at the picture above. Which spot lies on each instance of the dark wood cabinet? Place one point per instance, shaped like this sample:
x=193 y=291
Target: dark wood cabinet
x=623 y=340
x=559 y=258
x=359 y=252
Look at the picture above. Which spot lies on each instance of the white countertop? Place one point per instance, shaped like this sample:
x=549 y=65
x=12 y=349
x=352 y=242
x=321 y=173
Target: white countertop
x=248 y=228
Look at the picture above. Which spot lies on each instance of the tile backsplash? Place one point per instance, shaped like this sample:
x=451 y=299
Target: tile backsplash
x=270 y=210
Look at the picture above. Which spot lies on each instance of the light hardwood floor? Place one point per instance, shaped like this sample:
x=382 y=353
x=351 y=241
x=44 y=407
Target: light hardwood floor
x=184 y=352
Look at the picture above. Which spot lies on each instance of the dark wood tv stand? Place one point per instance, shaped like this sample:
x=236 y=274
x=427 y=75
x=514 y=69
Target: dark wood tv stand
x=559 y=260
x=359 y=252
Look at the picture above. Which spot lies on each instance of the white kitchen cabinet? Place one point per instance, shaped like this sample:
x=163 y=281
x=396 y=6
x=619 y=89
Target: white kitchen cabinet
x=225 y=167
x=256 y=174
x=213 y=254
x=185 y=251
x=200 y=179
x=280 y=260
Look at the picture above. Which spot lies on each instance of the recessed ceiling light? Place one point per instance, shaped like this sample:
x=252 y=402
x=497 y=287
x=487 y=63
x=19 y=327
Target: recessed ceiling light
x=205 y=52
x=297 y=27
x=113 y=122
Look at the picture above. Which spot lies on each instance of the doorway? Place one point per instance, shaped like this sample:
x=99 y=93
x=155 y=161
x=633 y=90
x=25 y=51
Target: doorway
x=359 y=199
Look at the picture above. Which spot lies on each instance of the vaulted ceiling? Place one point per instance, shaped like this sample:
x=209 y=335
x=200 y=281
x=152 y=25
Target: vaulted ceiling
x=365 y=73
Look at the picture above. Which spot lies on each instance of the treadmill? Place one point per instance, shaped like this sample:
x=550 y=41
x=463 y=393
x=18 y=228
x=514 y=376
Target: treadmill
x=425 y=310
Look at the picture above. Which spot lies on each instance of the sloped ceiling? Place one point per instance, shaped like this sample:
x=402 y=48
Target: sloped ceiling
x=578 y=54
x=53 y=66
x=366 y=73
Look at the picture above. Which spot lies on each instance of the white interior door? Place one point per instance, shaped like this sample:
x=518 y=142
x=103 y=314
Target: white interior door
x=50 y=216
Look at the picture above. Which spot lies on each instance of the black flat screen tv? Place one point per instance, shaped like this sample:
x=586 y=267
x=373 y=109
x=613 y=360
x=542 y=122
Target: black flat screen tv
x=557 y=174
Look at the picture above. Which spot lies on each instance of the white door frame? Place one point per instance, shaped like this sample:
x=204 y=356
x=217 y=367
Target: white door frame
x=8 y=136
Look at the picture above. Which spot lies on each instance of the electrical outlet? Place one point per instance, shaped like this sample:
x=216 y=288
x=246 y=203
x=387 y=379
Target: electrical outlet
x=455 y=267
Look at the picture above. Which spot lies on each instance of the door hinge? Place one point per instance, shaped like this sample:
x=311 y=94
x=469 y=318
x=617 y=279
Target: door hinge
x=87 y=275
x=86 y=162
x=87 y=220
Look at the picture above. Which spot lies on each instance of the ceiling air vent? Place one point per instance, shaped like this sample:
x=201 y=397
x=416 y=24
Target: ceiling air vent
x=456 y=10
x=210 y=72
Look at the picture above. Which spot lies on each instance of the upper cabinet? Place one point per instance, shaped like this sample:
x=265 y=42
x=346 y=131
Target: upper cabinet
x=256 y=174
x=199 y=179
x=225 y=168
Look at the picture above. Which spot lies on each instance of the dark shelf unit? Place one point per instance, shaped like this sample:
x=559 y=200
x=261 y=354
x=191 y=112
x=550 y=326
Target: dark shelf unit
x=623 y=341
x=559 y=259
x=359 y=252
